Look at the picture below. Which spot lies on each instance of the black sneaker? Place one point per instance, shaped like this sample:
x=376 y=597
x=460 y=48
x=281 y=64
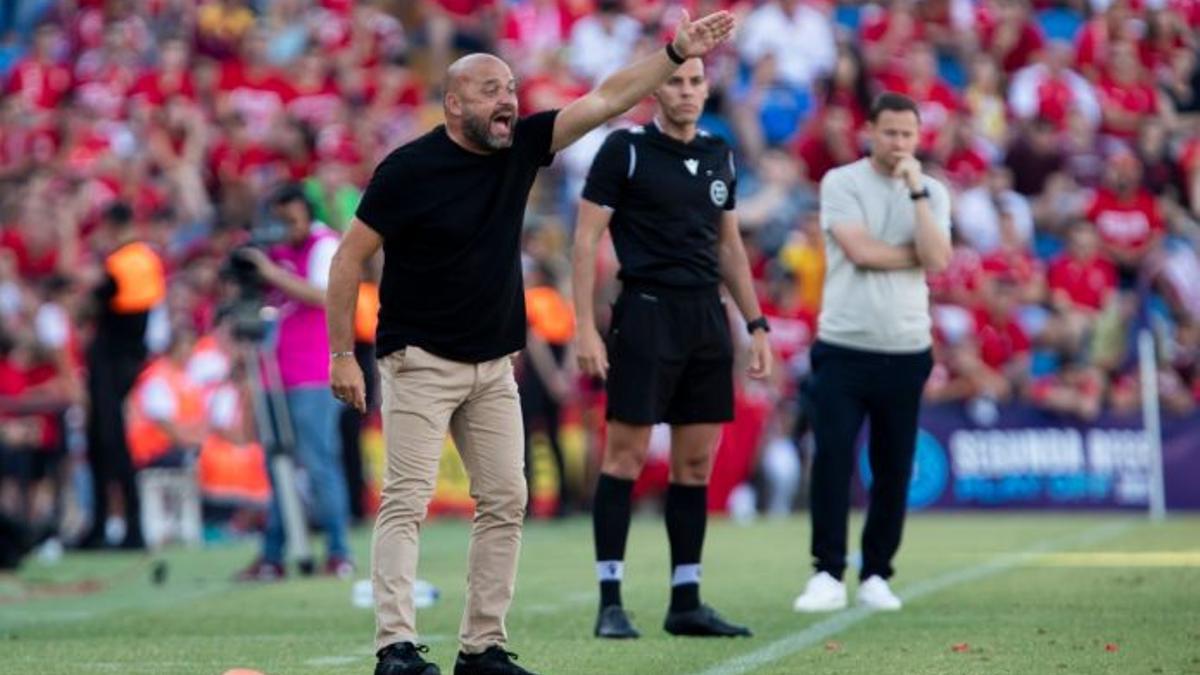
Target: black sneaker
x=493 y=661
x=702 y=622
x=612 y=622
x=404 y=658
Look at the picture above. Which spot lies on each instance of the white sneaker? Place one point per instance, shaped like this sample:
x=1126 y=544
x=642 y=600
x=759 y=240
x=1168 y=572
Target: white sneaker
x=823 y=593
x=875 y=593
x=114 y=530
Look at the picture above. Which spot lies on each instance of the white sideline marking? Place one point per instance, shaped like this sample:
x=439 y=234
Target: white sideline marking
x=790 y=644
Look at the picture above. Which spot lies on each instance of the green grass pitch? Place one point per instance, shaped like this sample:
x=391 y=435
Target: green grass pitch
x=985 y=593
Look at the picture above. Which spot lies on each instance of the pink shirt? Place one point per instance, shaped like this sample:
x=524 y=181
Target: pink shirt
x=303 y=349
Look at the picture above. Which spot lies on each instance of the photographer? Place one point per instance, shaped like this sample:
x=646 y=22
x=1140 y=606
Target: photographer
x=298 y=271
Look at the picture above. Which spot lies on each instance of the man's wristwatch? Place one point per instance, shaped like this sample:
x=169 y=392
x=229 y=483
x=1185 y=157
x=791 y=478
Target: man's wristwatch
x=923 y=193
x=758 y=324
x=341 y=355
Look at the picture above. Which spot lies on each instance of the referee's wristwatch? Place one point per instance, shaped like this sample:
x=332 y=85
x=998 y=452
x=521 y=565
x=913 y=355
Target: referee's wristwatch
x=758 y=324
x=923 y=193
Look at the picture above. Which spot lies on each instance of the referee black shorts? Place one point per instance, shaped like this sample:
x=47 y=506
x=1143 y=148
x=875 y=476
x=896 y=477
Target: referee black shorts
x=670 y=357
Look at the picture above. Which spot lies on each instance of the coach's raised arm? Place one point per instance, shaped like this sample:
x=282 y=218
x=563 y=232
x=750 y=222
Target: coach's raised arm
x=623 y=89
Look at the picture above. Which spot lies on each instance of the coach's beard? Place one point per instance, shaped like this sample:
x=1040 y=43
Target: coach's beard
x=478 y=130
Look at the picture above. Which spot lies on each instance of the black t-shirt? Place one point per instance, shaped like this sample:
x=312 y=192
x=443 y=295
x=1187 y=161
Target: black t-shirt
x=451 y=224
x=667 y=198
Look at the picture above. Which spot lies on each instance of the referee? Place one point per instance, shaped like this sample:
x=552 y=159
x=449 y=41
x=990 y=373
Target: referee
x=667 y=192
x=886 y=225
x=447 y=210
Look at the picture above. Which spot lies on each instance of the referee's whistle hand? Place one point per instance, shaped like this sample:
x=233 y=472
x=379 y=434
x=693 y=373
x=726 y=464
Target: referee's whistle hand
x=346 y=380
x=760 y=357
x=592 y=355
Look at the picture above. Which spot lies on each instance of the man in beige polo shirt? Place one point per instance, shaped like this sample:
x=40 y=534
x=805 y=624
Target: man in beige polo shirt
x=447 y=210
x=885 y=226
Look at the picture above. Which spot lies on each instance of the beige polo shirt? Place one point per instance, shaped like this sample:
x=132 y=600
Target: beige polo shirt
x=874 y=310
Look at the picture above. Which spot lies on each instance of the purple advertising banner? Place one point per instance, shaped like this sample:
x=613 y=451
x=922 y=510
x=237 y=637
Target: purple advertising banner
x=1028 y=458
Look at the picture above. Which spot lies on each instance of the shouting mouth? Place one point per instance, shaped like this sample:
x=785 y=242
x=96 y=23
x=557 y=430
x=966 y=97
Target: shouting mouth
x=502 y=124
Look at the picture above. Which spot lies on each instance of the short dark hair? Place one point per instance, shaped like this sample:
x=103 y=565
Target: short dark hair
x=894 y=102
x=118 y=214
x=290 y=193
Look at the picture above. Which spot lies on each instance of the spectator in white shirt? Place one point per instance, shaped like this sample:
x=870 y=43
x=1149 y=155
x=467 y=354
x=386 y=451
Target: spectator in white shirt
x=798 y=35
x=603 y=42
x=978 y=212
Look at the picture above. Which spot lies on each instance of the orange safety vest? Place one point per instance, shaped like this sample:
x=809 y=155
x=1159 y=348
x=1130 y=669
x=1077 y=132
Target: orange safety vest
x=366 y=314
x=549 y=315
x=146 y=439
x=231 y=471
x=141 y=281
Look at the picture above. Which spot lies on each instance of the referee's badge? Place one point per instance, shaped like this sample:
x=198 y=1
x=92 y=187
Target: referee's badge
x=718 y=192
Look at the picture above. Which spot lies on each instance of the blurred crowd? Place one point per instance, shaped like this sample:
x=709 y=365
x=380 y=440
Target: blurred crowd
x=1068 y=131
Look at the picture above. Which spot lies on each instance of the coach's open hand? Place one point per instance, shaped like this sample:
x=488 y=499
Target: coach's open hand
x=346 y=380
x=700 y=37
x=760 y=356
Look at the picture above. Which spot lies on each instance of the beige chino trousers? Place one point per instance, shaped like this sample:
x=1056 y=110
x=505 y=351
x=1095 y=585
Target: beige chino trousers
x=423 y=396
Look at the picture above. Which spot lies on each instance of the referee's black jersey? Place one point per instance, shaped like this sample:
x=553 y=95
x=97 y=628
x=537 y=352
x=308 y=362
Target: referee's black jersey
x=667 y=198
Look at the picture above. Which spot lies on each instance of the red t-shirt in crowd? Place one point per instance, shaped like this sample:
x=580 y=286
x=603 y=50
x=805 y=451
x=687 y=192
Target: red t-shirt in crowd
x=963 y=272
x=234 y=163
x=1139 y=99
x=1126 y=225
x=966 y=166
x=1189 y=10
x=874 y=28
x=1020 y=266
x=1091 y=45
x=104 y=88
x=544 y=92
x=1055 y=99
x=999 y=341
x=529 y=26
x=792 y=330
x=42 y=85
x=31 y=264
x=258 y=97
x=810 y=147
x=409 y=93
x=1021 y=52
x=1087 y=283
x=153 y=87
x=316 y=106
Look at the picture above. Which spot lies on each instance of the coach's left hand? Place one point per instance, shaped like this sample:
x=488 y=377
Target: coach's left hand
x=760 y=356
x=909 y=169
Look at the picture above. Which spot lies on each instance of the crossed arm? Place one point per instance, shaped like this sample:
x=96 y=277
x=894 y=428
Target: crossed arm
x=930 y=248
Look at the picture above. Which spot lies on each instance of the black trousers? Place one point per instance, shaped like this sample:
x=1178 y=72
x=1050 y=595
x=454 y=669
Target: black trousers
x=848 y=386
x=540 y=410
x=350 y=427
x=111 y=377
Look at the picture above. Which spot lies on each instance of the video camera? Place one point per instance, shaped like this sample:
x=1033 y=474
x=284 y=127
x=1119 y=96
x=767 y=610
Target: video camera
x=245 y=309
